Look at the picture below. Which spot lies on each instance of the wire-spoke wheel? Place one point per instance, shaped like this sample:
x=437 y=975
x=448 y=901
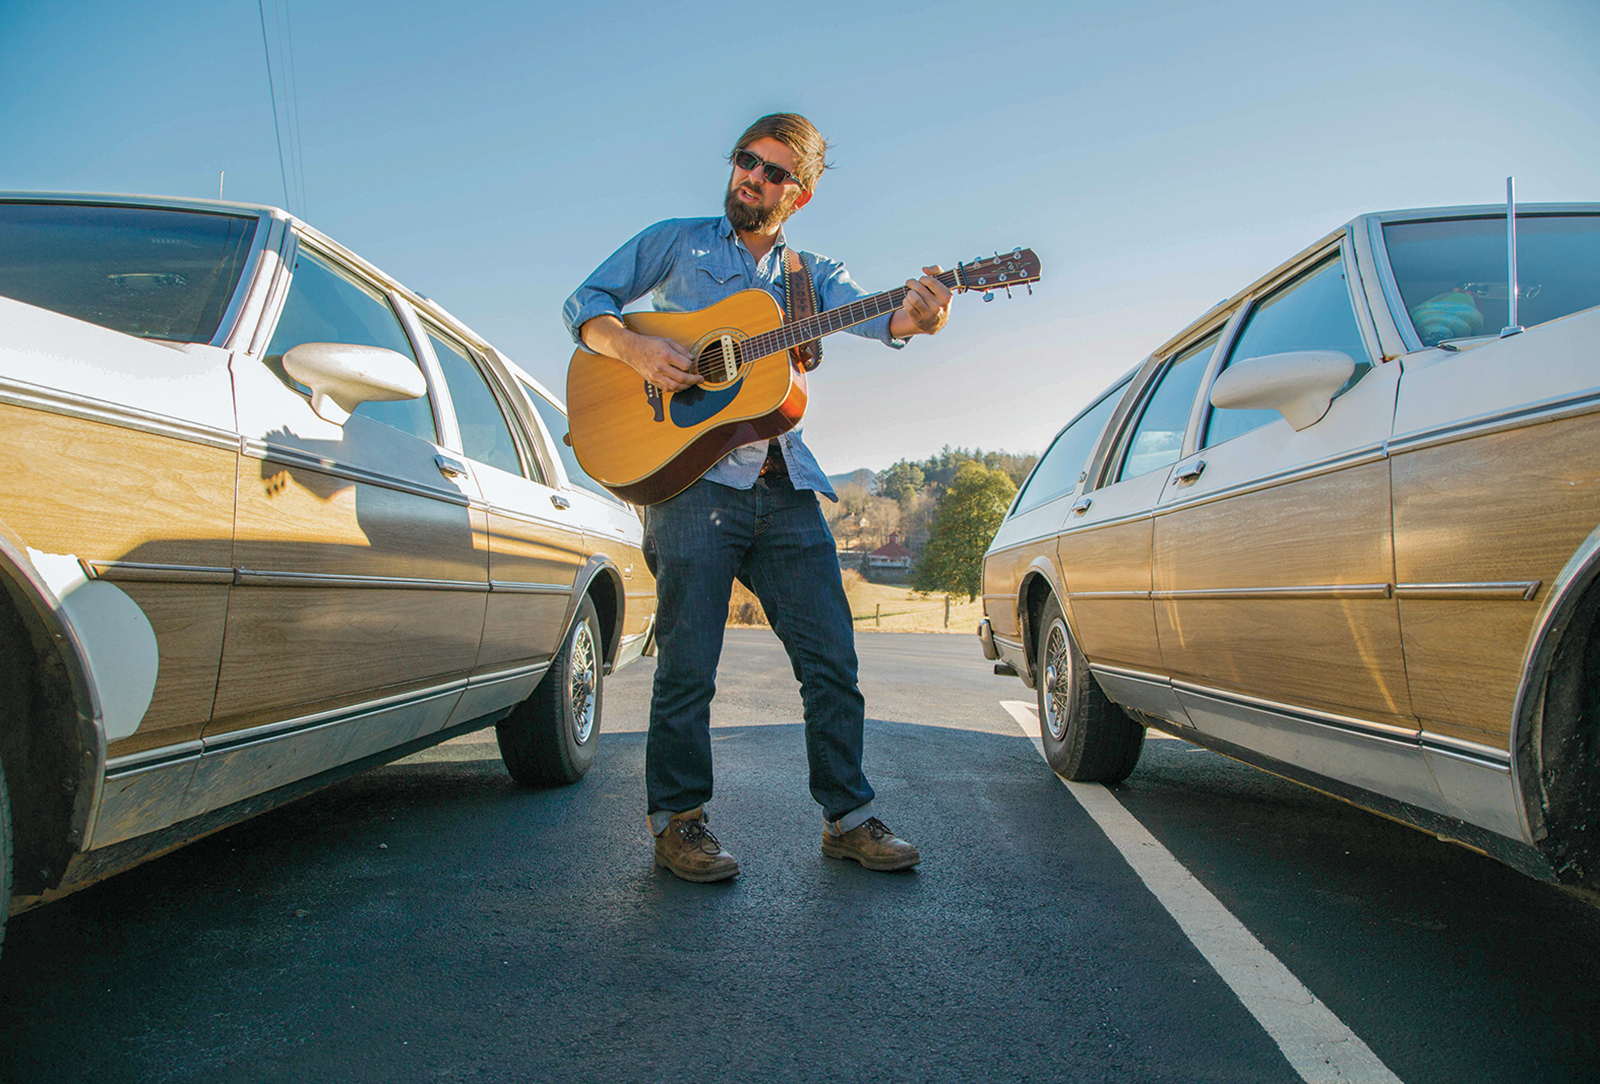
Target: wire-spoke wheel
x=1086 y=737
x=550 y=738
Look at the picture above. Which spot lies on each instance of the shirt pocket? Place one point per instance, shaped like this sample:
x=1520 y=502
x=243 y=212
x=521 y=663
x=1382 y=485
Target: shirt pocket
x=720 y=274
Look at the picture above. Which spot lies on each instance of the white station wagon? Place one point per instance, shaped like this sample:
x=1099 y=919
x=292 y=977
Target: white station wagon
x=1345 y=527
x=268 y=517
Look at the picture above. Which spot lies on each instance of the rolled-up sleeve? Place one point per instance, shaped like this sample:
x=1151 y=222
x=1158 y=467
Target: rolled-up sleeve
x=835 y=287
x=627 y=275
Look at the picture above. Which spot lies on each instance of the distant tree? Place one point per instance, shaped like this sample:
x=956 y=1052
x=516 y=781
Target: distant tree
x=965 y=524
x=900 y=482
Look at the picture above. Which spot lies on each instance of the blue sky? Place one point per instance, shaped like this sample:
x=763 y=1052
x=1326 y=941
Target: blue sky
x=1157 y=156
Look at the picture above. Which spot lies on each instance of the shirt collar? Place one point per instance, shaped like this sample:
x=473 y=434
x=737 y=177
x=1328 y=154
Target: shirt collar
x=726 y=230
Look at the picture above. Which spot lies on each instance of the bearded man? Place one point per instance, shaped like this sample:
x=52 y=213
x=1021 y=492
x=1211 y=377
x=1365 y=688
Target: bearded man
x=754 y=515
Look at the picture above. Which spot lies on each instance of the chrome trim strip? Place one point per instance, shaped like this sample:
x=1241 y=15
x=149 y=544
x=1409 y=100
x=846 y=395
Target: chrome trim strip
x=516 y=673
x=142 y=572
x=1364 y=727
x=1547 y=410
x=1136 y=675
x=1391 y=288
x=242 y=289
x=32 y=397
x=1079 y=596
x=1006 y=641
x=151 y=759
x=246 y=577
x=1499 y=759
x=1508 y=591
x=1131 y=517
x=1360 y=457
x=254 y=448
x=256 y=735
x=1334 y=590
x=518 y=588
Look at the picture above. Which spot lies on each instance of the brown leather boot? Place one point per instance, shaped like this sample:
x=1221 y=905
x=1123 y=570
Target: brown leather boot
x=688 y=849
x=873 y=845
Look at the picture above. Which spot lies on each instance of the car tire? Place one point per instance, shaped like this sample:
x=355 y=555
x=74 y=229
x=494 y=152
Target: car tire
x=549 y=739
x=1087 y=738
x=5 y=854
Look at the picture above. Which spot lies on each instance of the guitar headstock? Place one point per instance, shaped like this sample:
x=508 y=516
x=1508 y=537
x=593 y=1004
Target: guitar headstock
x=1019 y=267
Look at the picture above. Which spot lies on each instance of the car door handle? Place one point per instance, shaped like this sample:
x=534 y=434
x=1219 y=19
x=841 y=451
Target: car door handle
x=559 y=501
x=1190 y=473
x=450 y=468
x=1082 y=506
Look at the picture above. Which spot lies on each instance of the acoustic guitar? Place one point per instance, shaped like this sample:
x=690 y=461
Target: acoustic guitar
x=646 y=444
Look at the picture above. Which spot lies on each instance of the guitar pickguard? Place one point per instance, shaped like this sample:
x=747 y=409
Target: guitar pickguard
x=652 y=395
x=694 y=405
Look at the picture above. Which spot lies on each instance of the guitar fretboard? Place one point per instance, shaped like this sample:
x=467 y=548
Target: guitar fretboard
x=826 y=323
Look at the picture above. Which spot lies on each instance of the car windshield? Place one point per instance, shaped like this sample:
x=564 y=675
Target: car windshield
x=1452 y=272
x=146 y=271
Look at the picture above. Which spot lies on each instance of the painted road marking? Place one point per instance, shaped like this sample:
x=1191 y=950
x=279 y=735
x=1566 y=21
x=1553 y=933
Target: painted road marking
x=1317 y=1043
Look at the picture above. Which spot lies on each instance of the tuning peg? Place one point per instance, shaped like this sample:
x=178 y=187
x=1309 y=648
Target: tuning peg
x=988 y=295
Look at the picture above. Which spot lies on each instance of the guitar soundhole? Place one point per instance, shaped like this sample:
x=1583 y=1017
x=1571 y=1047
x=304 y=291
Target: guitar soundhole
x=718 y=361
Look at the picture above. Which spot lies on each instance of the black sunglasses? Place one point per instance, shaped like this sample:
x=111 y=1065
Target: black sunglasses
x=774 y=174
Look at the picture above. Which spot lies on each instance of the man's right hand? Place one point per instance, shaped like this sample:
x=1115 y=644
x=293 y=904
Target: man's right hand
x=662 y=362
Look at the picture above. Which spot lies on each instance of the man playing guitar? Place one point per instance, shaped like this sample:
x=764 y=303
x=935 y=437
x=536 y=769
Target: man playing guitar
x=754 y=514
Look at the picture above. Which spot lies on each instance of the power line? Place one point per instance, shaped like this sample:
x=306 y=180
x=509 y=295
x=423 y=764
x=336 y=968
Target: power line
x=273 y=94
x=295 y=132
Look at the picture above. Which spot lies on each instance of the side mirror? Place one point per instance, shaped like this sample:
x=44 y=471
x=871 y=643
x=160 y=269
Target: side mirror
x=342 y=377
x=1298 y=385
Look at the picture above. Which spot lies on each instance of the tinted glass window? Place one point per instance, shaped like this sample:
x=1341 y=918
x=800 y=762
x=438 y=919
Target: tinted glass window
x=556 y=422
x=1311 y=312
x=329 y=305
x=1452 y=275
x=1158 y=438
x=1058 y=472
x=144 y=271
x=485 y=436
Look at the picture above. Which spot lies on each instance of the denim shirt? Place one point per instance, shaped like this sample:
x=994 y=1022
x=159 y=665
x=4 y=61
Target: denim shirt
x=688 y=263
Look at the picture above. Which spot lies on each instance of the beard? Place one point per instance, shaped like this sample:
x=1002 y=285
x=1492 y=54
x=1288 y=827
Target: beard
x=754 y=218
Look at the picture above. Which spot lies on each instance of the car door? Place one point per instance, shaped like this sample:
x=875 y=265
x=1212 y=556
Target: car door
x=1273 y=559
x=535 y=542
x=612 y=530
x=1104 y=547
x=118 y=464
x=1496 y=450
x=361 y=584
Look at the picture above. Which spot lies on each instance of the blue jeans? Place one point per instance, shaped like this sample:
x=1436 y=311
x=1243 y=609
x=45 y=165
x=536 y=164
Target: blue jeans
x=773 y=538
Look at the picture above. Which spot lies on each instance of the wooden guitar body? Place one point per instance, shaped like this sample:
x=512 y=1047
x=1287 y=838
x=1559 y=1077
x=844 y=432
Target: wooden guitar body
x=646 y=444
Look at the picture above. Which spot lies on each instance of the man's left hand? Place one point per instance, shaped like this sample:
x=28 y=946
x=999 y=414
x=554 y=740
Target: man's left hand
x=926 y=307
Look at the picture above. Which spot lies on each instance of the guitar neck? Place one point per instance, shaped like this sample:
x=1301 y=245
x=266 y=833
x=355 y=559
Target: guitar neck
x=845 y=316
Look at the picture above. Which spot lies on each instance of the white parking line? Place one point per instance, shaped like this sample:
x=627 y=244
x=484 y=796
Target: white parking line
x=1317 y=1043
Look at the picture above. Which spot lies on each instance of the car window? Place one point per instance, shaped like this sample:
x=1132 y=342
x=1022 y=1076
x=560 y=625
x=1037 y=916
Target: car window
x=1311 y=312
x=1157 y=439
x=145 y=271
x=1452 y=274
x=555 y=421
x=1062 y=465
x=485 y=435
x=327 y=304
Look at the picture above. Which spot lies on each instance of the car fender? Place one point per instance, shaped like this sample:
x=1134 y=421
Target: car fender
x=65 y=792
x=1040 y=580
x=601 y=579
x=1560 y=605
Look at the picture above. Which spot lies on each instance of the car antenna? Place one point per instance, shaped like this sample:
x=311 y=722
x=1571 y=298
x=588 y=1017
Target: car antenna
x=1512 y=327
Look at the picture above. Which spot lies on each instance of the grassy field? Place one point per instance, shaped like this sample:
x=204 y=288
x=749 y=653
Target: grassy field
x=879 y=607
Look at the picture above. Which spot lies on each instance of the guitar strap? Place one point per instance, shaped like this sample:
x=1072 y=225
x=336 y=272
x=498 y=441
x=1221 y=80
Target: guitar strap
x=799 y=297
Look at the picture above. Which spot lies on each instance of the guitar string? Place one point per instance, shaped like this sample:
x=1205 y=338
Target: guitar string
x=845 y=316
